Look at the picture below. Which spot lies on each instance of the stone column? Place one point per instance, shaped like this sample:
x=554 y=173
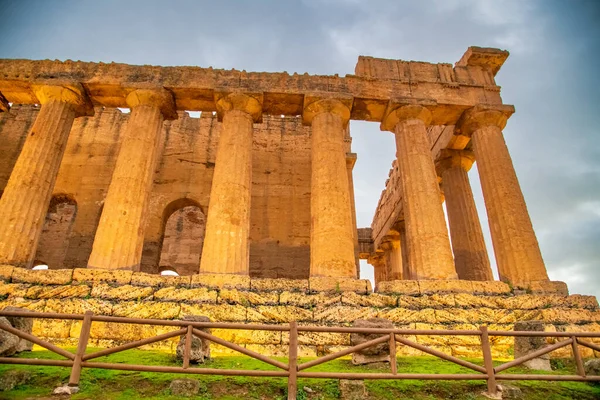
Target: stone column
x=350 y=161
x=393 y=254
x=226 y=249
x=379 y=268
x=25 y=200
x=516 y=248
x=332 y=233
x=470 y=254
x=120 y=235
x=429 y=253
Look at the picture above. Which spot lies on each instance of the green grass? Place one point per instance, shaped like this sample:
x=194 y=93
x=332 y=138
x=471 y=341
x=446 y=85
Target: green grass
x=110 y=384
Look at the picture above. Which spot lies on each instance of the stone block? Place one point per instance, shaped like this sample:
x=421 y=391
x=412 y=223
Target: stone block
x=14 y=289
x=525 y=345
x=6 y=272
x=8 y=342
x=581 y=301
x=154 y=280
x=320 y=338
x=42 y=277
x=490 y=287
x=245 y=298
x=126 y=292
x=216 y=312
x=146 y=309
x=33 y=305
x=427 y=301
x=568 y=316
x=592 y=367
x=467 y=300
x=278 y=314
x=445 y=286
x=310 y=299
x=405 y=316
x=245 y=336
x=220 y=281
x=58 y=292
x=52 y=328
x=368 y=300
x=119 y=277
x=410 y=288
x=279 y=285
x=548 y=287
x=200 y=348
x=339 y=314
x=352 y=389
x=184 y=387
x=78 y=306
x=337 y=285
x=196 y=295
x=23 y=324
x=11 y=379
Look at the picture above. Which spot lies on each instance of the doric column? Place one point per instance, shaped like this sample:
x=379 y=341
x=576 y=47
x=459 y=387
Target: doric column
x=378 y=261
x=350 y=162
x=470 y=255
x=25 y=200
x=226 y=248
x=120 y=235
x=393 y=255
x=516 y=248
x=429 y=253
x=331 y=236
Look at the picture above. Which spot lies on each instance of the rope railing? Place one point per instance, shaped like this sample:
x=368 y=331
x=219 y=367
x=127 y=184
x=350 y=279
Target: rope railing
x=292 y=370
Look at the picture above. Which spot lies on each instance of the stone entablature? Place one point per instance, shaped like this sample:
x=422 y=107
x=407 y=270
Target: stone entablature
x=407 y=304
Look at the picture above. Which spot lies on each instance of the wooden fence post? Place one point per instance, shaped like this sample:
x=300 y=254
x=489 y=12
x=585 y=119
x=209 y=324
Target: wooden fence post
x=293 y=362
x=577 y=355
x=188 y=347
x=393 y=364
x=487 y=360
x=81 y=346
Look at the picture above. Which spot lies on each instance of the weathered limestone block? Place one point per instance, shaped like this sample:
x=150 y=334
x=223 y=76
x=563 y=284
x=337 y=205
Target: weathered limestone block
x=279 y=284
x=310 y=299
x=377 y=353
x=548 y=287
x=52 y=328
x=592 y=367
x=234 y=296
x=406 y=316
x=220 y=281
x=466 y=300
x=339 y=284
x=216 y=312
x=245 y=336
x=119 y=277
x=43 y=277
x=10 y=379
x=58 y=292
x=352 y=389
x=278 y=314
x=427 y=301
x=445 y=286
x=121 y=332
x=200 y=350
x=368 y=300
x=490 y=287
x=146 y=309
x=184 y=387
x=6 y=272
x=580 y=301
x=320 y=338
x=341 y=314
x=23 y=324
x=33 y=305
x=569 y=316
x=78 y=306
x=197 y=295
x=143 y=279
x=125 y=292
x=9 y=343
x=525 y=345
x=13 y=289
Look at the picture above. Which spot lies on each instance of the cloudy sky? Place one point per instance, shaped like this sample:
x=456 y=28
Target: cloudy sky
x=551 y=77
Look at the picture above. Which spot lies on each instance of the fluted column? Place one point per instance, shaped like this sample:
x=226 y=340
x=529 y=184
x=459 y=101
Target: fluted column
x=429 y=253
x=25 y=200
x=393 y=254
x=470 y=254
x=378 y=262
x=516 y=247
x=332 y=237
x=226 y=249
x=350 y=161
x=120 y=235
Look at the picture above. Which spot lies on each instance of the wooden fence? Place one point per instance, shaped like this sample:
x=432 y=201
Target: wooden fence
x=292 y=370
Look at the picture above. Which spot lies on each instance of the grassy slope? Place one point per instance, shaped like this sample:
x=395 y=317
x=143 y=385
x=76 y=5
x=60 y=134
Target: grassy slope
x=109 y=384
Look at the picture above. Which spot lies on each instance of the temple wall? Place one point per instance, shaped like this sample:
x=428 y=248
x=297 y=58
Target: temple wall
x=280 y=213
x=463 y=305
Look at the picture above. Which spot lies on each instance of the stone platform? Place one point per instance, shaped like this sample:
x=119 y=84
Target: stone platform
x=317 y=301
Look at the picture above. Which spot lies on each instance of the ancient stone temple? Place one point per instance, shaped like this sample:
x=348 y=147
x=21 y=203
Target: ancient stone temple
x=109 y=178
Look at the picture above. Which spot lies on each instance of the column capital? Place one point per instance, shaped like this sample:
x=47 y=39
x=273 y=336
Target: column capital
x=483 y=115
x=250 y=103
x=4 y=107
x=156 y=96
x=315 y=104
x=454 y=158
x=71 y=92
x=398 y=111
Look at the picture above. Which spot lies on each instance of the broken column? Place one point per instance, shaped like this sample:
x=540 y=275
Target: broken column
x=332 y=231
x=428 y=245
x=470 y=254
x=516 y=247
x=25 y=200
x=226 y=249
x=120 y=235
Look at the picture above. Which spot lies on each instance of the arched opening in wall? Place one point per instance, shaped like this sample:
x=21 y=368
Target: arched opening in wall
x=184 y=225
x=54 y=240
